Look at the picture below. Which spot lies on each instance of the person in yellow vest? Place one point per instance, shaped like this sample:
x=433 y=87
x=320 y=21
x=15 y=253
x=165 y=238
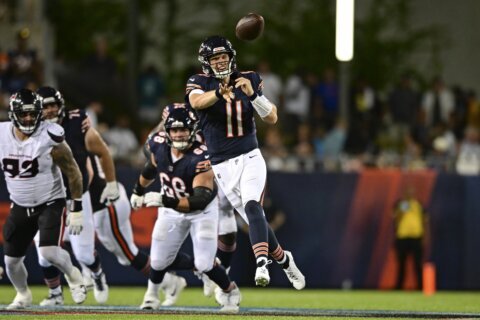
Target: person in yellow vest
x=410 y=220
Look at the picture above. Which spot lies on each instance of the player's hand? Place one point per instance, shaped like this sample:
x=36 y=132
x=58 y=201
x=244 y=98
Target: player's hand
x=136 y=201
x=226 y=92
x=75 y=222
x=245 y=85
x=111 y=193
x=153 y=199
x=86 y=124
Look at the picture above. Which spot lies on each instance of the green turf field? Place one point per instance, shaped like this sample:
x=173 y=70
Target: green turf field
x=332 y=301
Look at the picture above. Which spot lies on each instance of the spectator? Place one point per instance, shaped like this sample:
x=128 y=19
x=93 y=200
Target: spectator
x=274 y=149
x=151 y=89
x=468 y=160
x=121 y=140
x=272 y=84
x=297 y=101
x=94 y=110
x=304 y=146
x=325 y=97
x=438 y=103
x=23 y=64
x=410 y=222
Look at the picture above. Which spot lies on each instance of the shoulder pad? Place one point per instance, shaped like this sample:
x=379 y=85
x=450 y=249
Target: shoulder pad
x=196 y=81
x=77 y=113
x=56 y=132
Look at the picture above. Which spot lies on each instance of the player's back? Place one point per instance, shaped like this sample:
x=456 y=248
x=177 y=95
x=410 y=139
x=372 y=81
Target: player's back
x=75 y=138
x=228 y=127
x=31 y=176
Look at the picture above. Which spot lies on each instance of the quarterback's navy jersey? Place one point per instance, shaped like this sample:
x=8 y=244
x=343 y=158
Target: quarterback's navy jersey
x=75 y=138
x=176 y=179
x=228 y=128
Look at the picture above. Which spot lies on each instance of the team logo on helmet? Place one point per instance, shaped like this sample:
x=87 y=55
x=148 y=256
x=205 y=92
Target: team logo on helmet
x=181 y=118
x=215 y=45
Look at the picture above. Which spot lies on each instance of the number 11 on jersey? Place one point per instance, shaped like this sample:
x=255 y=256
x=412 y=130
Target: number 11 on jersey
x=237 y=112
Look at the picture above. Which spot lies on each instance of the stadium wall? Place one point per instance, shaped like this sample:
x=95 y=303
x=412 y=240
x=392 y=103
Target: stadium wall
x=340 y=228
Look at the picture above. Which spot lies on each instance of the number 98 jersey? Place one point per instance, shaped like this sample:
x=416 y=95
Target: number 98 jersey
x=176 y=177
x=228 y=128
x=32 y=177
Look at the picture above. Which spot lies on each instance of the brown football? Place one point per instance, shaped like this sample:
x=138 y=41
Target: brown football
x=250 y=27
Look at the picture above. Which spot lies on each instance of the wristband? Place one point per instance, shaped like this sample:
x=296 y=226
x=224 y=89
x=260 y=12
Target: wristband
x=76 y=205
x=138 y=189
x=253 y=96
x=171 y=203
x=218 y=94
x=262 y=105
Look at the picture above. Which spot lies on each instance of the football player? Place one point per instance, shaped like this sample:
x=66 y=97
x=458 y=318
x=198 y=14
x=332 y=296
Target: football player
x=187 y=205
x=227 y=224
x=114 y=230
x=82 y=141
x=225 y=100
x=34 y=155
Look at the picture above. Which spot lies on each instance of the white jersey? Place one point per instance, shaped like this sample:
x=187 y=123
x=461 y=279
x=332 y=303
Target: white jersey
x=32 y=177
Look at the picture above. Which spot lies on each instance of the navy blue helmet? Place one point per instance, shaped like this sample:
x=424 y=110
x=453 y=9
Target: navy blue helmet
x=214 y=45
x=181 y=118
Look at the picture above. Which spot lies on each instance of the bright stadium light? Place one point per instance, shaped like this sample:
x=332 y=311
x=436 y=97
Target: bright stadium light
x=344 y=30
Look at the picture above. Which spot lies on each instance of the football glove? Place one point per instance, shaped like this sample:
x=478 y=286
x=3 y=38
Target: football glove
x=136 y=201
x=75 y=222
x=110 y=193
x=153 y=199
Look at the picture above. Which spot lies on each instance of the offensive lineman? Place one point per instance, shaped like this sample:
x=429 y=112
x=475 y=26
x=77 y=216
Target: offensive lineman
x=82 y=141
x=187 y=205
x=225 y=100
x=227 y=224
x=32 y=153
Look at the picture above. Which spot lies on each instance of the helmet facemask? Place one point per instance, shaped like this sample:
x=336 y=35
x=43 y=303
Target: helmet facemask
x=50 y=96
x=181 y=118
x=22 y=104
x=212 y=46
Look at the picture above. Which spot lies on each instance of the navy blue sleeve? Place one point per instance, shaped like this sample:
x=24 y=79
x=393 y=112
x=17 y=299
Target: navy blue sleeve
x=155 y=141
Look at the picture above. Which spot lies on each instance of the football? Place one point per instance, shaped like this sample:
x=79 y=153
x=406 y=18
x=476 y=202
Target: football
x=250 y=27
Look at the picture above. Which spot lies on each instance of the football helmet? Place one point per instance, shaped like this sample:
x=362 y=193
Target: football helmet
x=49 y=95
x=214 y=45
x=181 y=118
x=23 y=103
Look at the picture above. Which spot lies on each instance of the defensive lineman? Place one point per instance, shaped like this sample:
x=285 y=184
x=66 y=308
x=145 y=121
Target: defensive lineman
x=82 y=141
x=31 y=153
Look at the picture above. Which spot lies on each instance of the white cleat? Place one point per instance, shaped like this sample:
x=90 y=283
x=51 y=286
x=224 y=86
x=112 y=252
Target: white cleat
x=22 y=300
x=293 y=273
x=77 y=288
x=150 y=303
x=172 y=292
x=230 y=301
x=53 y=299
x=100 y=288
x=262 y=277
x=208 y=286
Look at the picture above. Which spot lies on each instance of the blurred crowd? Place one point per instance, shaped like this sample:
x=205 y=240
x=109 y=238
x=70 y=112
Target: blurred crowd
x=405 y=126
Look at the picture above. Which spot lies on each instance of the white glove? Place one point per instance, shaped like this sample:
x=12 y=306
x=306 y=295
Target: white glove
x=136 y=201
x=110 y=193
x=153 y=199
x=75 y=222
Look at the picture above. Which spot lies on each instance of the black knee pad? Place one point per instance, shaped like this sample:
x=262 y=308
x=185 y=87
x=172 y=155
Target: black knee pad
x=254 y=211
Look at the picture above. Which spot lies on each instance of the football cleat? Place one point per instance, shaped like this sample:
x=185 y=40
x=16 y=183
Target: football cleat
x=77 y=288
x=150 y=302
x=53 y=299
x=100 y=288
x=230 y=301
x=21 y=301
x=172 y=292
x=262 y=277
x=293 y=273
x=208 y=286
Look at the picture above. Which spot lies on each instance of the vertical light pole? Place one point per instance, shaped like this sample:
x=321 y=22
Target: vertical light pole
x=345 y=16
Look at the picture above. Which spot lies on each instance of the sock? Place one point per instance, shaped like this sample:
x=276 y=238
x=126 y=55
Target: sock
x=218 y=275
x=258 y=228
x=52 y=277
x=152 y=289
x=96 y=266
x=225 y=251
x=156 y=276
x=141 y=262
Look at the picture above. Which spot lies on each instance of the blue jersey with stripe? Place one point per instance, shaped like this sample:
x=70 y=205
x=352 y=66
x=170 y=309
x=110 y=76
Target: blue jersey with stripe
x=75 y=138
x=176 y=178
x=228 y=128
